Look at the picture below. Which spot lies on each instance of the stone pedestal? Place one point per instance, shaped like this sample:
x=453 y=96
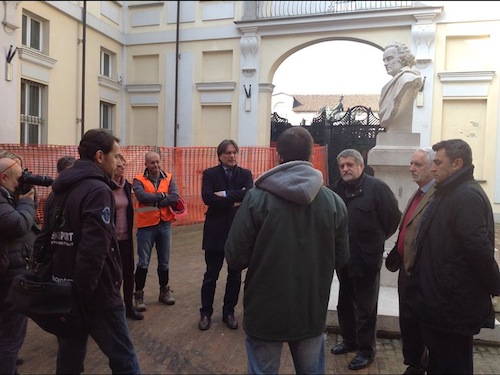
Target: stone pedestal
x=390 y=160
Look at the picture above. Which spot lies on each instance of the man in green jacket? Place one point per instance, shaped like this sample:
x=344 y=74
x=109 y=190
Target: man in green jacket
x=291 y=233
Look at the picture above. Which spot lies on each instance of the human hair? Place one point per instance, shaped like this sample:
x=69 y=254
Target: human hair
x=94 y=140
x=405 y=56
x=295 y=143
x=221 y=148
x=10 y=155
x=65 y=162
x=122 y=158
x=350 y=152
x=429 y=151
x=455 y=149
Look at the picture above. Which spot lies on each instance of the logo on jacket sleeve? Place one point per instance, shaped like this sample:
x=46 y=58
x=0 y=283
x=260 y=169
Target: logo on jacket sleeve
x=106 y=215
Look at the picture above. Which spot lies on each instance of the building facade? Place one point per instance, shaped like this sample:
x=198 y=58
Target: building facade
x=189 y=73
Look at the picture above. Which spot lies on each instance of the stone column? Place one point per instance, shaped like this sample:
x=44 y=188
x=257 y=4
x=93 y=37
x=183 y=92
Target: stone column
x=249 y=87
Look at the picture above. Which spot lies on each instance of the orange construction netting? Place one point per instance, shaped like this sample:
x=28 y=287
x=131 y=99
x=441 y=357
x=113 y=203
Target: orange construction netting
x=185 y=163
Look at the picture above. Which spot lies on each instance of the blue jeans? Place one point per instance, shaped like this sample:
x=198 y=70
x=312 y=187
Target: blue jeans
x=110 y=331
x=161 y=235
x=264 y=356
x=12 y=331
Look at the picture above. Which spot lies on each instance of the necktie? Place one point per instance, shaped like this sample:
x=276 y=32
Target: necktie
x=401 y=236
x=229 y=173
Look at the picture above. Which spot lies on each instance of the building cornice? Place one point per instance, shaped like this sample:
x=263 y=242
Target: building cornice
x=143 y=88
x=35 y=57
x=340 y=21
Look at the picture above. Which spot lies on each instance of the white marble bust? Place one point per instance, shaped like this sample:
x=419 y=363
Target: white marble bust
x=398 y=95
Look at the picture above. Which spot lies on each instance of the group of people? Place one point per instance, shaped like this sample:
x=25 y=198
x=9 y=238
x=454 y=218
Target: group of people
x=99 y=253
x=288 y=230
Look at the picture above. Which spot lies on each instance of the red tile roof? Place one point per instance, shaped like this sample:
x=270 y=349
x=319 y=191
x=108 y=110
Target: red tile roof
x=313 y=103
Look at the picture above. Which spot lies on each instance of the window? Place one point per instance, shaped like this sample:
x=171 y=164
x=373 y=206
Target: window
x=31 y=112
x=106 y=115
x=106 y=69
x=31 y=32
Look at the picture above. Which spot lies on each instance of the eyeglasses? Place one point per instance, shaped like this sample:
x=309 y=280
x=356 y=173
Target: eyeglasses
x=230 y=153
x=9 y=167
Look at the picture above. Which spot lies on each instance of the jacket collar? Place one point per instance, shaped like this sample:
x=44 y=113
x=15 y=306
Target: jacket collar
x=456 y=179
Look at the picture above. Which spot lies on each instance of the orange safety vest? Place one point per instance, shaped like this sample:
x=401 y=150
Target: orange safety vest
x=146 y=214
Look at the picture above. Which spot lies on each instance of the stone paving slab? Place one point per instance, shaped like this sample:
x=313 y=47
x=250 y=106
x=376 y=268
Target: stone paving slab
x=168 y=341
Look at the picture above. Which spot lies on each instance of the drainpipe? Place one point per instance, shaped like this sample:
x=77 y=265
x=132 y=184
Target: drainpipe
x=176 y=125
x=84 y=40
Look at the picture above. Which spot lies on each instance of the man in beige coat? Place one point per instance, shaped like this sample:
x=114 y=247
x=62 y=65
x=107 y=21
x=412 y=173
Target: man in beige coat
x=402 y=258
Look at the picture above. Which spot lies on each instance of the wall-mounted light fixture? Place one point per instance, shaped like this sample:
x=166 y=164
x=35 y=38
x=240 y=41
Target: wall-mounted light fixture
x=248 y=94
x=8 y=66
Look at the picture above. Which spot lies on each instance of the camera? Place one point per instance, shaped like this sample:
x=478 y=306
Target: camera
x=28 y=179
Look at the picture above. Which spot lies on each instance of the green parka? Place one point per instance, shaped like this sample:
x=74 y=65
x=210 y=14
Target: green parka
x=291 y=233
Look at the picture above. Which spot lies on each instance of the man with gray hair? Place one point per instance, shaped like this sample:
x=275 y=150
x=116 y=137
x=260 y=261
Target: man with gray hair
x=373 y=217
x=402 y=258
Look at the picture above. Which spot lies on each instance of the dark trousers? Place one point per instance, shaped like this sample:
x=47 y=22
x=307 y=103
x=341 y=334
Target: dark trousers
x=110 y=331
x=214 y=261
x=414 y=350
x=127 y=255
x=12 y=332
x=357 y=310
x=449 y=353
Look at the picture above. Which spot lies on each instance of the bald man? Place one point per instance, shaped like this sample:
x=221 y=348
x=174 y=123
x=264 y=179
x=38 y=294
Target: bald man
x=155 y=191
x=17 y=214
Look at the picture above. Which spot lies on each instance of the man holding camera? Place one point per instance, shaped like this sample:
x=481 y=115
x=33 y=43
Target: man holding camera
x=17 y=215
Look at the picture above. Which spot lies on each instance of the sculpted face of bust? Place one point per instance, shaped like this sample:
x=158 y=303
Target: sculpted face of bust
x=392 y=61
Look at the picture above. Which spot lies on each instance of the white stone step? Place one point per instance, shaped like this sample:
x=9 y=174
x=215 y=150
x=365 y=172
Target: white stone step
x=388 y=307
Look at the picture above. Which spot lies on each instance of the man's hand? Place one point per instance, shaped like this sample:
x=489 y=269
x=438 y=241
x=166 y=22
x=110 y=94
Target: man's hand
x=221 y=193
x=29 y=195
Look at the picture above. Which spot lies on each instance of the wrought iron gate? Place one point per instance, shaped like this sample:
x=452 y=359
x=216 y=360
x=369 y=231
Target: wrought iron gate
x=357 y=129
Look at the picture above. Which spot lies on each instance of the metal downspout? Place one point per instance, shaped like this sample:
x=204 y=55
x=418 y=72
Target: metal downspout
x=84 y=42
x=176 y=125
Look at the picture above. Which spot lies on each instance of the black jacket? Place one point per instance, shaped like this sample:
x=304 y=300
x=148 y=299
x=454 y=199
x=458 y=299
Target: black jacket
x=373 y=217
x=221 y=210
x=17 y=218
x=455 y=271
x=85 y=248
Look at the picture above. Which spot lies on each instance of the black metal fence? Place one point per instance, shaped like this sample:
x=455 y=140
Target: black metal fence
x=357 y=129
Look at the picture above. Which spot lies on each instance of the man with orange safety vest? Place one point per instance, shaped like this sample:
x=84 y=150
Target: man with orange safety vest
x=155 y=191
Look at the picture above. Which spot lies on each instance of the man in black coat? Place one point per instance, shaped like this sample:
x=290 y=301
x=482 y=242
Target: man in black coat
x=223 y=188
x=373 y=217
x=455 y=271
x=18 y=216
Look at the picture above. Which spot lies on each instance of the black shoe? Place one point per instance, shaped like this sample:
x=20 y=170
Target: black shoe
x=360 y=361
x=204 y=323
x=230 y=321
x=342 y=348
x=133 y=314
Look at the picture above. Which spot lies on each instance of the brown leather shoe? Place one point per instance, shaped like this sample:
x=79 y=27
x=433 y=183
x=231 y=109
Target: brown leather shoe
x=230 y=321
x=204 y=323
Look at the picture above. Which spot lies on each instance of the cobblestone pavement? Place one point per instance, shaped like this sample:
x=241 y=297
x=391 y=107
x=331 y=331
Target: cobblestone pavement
x=168 y=341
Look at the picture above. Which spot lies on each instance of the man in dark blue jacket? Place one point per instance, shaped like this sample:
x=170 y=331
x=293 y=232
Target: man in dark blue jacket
x=373 y=217
x=223 y=188
x=455 y=272
x=85 y=251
